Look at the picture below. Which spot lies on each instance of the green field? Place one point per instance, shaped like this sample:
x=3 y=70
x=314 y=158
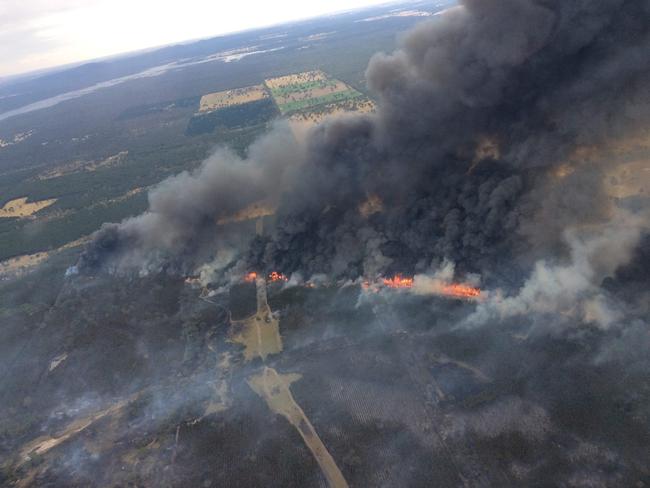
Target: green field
x=298 y=87
x=298 y=105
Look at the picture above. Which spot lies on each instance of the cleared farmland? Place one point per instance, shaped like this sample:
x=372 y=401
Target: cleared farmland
x=21 y=207
x=305 y=98
x=303 y=91
x=340 y=96
x=295 y=79
x=228 y=98
x=232 y=109
x=301 y=121
x=309 y=98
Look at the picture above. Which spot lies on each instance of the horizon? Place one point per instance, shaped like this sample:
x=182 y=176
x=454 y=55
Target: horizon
x=63 y=12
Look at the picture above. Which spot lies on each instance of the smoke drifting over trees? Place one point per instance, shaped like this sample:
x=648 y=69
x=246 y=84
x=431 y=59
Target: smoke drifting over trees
x=490 y=143
x=499 y=126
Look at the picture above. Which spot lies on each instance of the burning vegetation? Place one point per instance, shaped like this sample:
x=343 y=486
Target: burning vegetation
x=372 y=205
x=460 y=290
x=425 y=285
x=566 y=263
x=398 y=281
x=250 y=277
x=254 y=211
x=274 y=276
x=420 y=284
x=471 y=163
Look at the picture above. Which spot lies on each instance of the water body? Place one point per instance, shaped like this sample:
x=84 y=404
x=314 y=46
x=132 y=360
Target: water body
x=224 y=57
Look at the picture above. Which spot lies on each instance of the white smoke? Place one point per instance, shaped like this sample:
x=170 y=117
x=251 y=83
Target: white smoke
x=571 y=290
x=434 y=283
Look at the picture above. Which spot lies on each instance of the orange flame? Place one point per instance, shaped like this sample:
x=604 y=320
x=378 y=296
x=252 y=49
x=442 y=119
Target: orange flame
x=452 y=290
x=461 y=291
x=398 y=281
x=250 y=277
x=275 y=276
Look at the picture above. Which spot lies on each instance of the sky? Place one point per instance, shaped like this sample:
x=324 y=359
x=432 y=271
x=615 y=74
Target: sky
x=37 y=34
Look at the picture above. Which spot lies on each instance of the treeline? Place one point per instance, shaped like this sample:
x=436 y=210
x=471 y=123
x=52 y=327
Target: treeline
x=235 y=116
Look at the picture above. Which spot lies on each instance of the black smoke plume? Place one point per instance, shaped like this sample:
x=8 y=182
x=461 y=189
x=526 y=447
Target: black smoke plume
x=490 y=141
x=493 y=155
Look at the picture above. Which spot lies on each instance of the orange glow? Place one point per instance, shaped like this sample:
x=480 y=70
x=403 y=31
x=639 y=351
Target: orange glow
x=451 y=290
x=371 y=206
x=275 y=276
x=460 y=291
x=562 y=171
x=250 y=277
x=254 y=211
x=398 y=281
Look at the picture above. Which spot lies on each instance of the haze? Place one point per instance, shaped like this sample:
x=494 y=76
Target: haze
x=38 y=34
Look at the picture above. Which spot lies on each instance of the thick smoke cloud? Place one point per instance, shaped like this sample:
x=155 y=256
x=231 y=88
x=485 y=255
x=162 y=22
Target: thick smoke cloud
x=486 y=163
x=184 y=209
x=539 y=81
x=487 y=147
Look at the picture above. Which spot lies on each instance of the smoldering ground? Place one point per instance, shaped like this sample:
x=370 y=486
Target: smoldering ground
x=383 y=382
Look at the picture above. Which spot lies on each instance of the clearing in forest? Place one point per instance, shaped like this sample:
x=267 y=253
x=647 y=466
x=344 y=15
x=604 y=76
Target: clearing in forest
x=229 y=98
x=19 y=207
x=303 y=91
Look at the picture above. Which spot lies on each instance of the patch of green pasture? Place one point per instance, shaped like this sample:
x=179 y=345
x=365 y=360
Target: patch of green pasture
x=297 y=105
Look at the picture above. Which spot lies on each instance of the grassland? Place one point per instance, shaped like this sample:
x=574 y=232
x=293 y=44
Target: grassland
x=287 y=91
x=318 y=114
x=228 y=98
x=310 y=94
x=340 y=96
x=303 y=91
x=295 y=79
x=76 y=166
x=283 y=88
x=300 y=122
x=309 y=98
x=21 y=264
x=21 y=207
